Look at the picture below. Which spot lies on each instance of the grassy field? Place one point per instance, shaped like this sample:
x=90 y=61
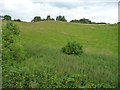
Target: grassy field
x=47 y=66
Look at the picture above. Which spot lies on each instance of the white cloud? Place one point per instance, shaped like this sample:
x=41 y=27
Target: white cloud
x=96 y=10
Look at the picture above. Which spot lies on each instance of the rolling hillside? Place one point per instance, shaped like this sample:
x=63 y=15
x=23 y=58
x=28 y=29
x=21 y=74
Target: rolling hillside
x=96 y=67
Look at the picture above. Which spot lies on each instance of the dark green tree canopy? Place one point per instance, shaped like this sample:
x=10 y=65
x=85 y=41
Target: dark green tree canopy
x=36 y=19
x=18 y=20
x=7 y=17
x=48 y=17
x=60 y=18
x=86 y=21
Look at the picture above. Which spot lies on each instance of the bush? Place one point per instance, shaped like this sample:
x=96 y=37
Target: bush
x=17 y=52
x=11 y=48
x=72 y=47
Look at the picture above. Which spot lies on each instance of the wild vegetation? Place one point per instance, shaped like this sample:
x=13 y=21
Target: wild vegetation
x=12 y=49
x=72 y=47
x=58 y=18
x=45 y=66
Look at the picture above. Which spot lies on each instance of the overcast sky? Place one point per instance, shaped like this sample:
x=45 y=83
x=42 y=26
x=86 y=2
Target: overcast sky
x=95 y=10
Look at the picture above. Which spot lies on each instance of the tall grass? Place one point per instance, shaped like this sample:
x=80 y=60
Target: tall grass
x=46 y=66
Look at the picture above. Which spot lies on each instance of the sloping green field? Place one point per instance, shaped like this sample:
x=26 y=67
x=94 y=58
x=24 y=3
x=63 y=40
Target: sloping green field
x=96 y=39
x=96 y=67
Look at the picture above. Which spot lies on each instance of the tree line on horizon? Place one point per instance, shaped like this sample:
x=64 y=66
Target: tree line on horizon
x=58 y=18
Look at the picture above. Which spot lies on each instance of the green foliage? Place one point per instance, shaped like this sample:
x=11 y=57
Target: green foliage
x=60 y=18
x=46 y=67
x=86 y=21
x=7 y=17
x=16 y=52
x=17 y=20
x=21 y=77
x=72 y=47
x=12 y=49
x=15 y=77
x=36 y=19
x=48 y=17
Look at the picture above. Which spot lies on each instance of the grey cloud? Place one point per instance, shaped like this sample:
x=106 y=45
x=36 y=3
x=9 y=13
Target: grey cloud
x=67 y=5
x=84 y=4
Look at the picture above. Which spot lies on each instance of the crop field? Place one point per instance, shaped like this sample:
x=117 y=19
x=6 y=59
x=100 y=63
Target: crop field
x=45 y=66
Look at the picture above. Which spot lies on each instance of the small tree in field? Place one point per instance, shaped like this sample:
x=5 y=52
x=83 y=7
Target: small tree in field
x=11 y=47
x=72 y=47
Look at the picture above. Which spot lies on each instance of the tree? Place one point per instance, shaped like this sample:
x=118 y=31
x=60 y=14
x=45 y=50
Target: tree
x=57 y=18
x=118 y=22
x=48 y=17
x=101 y=23
x=76 y=21
x=63 y=18
x=87 y=21
x=60 y=18
x=36 y=19
x=18 y=20
x=7 y=17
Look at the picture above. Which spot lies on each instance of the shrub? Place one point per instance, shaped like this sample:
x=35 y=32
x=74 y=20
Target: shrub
x=17 y=52
x=11 y=48
x=72 y=47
